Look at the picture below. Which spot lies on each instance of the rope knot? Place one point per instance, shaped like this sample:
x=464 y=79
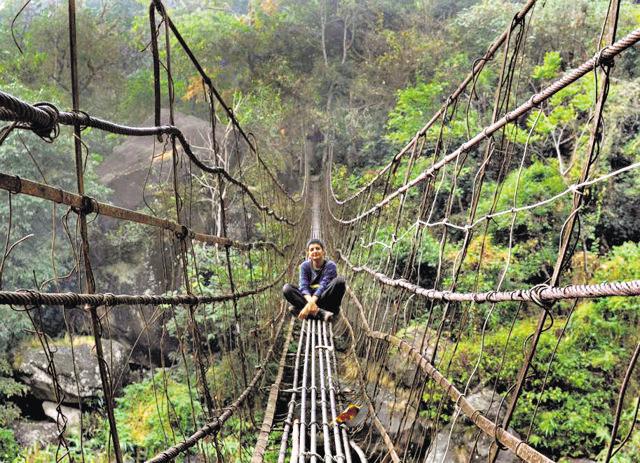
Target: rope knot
x=16 y=185
x=50 y=130
x=87 y=205
x=82 y=118
x=182 y=233
x=536 y=295
x=109 y=299
x=606 y=61
x=518 y=20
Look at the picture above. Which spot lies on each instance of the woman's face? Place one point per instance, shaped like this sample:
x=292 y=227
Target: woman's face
x=315 y=252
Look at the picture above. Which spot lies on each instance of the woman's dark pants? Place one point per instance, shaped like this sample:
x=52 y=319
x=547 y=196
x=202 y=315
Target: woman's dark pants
x=329 y=300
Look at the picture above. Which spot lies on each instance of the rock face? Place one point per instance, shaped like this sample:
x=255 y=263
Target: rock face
x=32 y=368
x=126 y=169
x=29 y=433
x=397 y=364
x=458 y=446
x=141 y=329
x=458 y=449
x=72 y=415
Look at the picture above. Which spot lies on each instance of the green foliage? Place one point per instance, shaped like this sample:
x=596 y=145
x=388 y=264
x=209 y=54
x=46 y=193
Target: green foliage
x=150 y=413
x=575 y=409
x=631 y=449
x=532 y=257
x=576 y=389
x=539 y=181
x=382 y=71
x=550 y=68
x=623 y=313
x=12 y=330
x=51 y=164
x=416 y=104
x=414 y=107
x=8 y=445
x=8 y=388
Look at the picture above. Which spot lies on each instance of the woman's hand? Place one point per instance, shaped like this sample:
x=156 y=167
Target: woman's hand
x=310 y=309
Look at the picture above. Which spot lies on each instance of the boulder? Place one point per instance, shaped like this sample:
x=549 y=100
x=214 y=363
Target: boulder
x=72 y=415
x=441 y=450
x=487 y=402
x=31 y=365
x=125 y=171
x=143 y=330
x=457 y=447
x=395 y=410
x=404 y=371
x=463 y=444
x=30 y=433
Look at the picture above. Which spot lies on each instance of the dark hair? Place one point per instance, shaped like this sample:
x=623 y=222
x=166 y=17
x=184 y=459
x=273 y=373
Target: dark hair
x=315 y=241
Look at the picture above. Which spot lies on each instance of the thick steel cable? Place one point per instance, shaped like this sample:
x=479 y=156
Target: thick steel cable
x=216 y=424
x=534 y=294
x=477 y=68
x=44 y=121
x=303 y=395
x=606 y=54
x=343 y=430
x=18 y=185
x=340 y=453
x=341 y=440
x=359 y=452
x=313 y=425
x=108 y=299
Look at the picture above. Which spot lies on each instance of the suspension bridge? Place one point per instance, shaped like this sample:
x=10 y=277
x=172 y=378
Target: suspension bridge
x=290 y=379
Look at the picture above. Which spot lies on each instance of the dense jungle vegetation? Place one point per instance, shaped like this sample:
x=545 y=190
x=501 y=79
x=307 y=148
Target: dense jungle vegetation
x=360 y=77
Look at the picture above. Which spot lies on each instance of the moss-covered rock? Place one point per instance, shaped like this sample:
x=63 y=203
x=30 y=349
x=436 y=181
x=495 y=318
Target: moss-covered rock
x=32 y=367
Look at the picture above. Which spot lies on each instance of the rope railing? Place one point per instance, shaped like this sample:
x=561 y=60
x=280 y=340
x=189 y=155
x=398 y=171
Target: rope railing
x=288 y=422
x=606 y=54
x=519 y=448
x=18 y=185
x=215 y=425
x=510 y=441
x=316 y=384
x=535 y=294
x=478 y=66
x=29 y=297
x=270 y=410
x=43 y=119
x=388 y=442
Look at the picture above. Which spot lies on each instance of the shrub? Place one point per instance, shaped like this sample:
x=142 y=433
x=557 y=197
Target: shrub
x=8 y=445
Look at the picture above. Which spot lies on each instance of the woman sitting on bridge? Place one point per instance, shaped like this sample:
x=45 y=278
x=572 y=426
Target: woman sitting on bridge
x=321 y=289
